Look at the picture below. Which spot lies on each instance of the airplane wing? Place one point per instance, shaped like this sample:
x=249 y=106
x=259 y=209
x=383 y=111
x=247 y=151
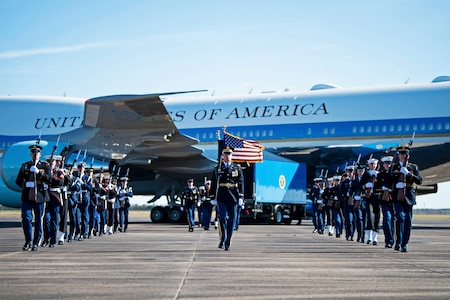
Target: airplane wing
x=137 y=129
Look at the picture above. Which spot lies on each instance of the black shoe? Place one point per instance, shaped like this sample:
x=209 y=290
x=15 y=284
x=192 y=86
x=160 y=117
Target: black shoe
x=404 y=248
x=351 y=239
x=80 y=238
x=34 y=248
x=125 y=230
x=191 y=229
x=397 y=248
x=51 y=246
x=120 y=229
x=26 y=247
x=314 y=231
x=338 y=235
x=374 y=243
x=44 y=244
x=61 y=243
x=330 y=234
x=368 y=242
x=227 y=246
x=220 y=245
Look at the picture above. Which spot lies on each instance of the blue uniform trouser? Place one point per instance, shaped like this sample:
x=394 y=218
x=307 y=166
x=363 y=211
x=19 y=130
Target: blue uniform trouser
x=51 y=220
x=28 y=208
x=190 y=207
x=337 y=220
x=206 y=216
x=84 y=211
x=93 y=218
x=227 y=217
x=359 y=222
x=388 y=223
x=103 y=219
x=318 y=217
x=349 y=216
x=403 y=223
x=123 y=217
x=74 y=221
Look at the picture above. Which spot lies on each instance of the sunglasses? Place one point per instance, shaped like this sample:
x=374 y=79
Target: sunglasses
x=35 y=151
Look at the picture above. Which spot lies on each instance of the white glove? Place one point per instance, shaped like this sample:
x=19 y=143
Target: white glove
x=181 y=208
x=199 y=204
x=385 y=188
x=335 y=198
x=213 y=202
x=357 y=198
x=29 y=184
x=240 y=202
x=400 y=185
x=34 y=169
x=369 y=185
x=404 y=170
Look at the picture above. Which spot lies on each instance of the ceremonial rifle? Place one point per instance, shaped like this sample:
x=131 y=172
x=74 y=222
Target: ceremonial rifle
x=402 y=178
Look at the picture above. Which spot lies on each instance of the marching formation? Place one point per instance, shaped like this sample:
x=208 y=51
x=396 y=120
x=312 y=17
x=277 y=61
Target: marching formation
x=353 y=202
x=91 y=205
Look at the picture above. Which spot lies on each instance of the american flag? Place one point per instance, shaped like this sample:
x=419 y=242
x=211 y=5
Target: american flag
x=244 y=150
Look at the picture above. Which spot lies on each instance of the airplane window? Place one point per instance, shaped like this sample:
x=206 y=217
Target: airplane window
x=308 y=131
x=211 y=135
x=406 y=127
x=447 y=126
x=325 y=131
x=353 y=129
x=264 y=133
x=332 y=130
x=369 y=128
x=422 y=126
x=270 y=132
x=430 y=126
x=414 y=127
x=257 y=133
x=244 y=134
x=384 y=128
x=204 y=135
x=250 y=134
x=439 y=126
x=361 y=129
x=399 y=128
x=376 y=129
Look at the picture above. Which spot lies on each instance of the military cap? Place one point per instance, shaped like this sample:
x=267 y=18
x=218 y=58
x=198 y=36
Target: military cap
x=227 y=149
x=387 y=159
x=360 y=167
x=372 y=161
x=190 y=180
x=81 y=165
x=55 y=157
x=336 y=177
x=403 y=149
x=124 y=178
x=35 y=148
x=317 y=179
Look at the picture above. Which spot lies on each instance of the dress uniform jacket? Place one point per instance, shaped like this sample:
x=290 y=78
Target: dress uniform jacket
x=411 y=180
x=228 y=182
x=42 y=181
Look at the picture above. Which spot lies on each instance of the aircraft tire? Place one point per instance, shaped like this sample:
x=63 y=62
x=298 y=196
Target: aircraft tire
x=158 y=214
x=175 y=215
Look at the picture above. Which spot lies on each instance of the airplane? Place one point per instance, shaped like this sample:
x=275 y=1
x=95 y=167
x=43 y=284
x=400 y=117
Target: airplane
x=164 y=138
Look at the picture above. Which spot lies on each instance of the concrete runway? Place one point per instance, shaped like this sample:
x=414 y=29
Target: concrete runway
x=165 y=261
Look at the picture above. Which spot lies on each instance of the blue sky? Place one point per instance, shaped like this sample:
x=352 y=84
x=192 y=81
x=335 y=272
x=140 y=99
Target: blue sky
x=95 y=48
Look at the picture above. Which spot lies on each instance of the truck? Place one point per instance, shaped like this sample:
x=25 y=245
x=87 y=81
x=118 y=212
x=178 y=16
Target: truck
x=274 y=192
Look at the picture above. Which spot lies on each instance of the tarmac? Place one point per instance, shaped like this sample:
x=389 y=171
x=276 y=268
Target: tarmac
x=165 y=261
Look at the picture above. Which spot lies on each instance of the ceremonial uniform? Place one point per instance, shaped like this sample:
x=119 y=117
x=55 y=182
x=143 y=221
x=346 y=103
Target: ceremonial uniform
x=384 y=187
x=33 y=178
x=406 y=176
x=74 y=212
x=206 y=205
x=356 y=191
x=64 y=209
x=372 y=198
x=227 y=184
x=327 y=197
x=125 y=193
x=317 y=203
x=51 y=217
x=190 y=195
x=336 y=206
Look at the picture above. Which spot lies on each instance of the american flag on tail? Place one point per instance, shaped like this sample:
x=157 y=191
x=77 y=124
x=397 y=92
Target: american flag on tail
x=244 y=150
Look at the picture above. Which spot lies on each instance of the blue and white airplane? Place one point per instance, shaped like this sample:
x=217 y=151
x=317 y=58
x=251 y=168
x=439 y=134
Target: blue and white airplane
x=162 y=138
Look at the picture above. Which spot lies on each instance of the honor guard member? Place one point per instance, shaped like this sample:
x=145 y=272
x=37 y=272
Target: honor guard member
x=206 y=205
x=190 y=195
x=94 y=218
x=327 y=197
x=101 y=207
x=74 y=211
x=317 y=204
x=356 y=191
x=110 y=204
x=384 y=186
x=372 y=203
x=336 y=208
x=227 y=186
x=125 y=193
x=33 y=178
x=348 y=203
x=406 y=176
x=51 y=217
x=84 y=200
x=64 y=209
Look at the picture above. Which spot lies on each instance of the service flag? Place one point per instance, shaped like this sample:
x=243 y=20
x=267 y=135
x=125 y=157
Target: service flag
x=244 y=150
